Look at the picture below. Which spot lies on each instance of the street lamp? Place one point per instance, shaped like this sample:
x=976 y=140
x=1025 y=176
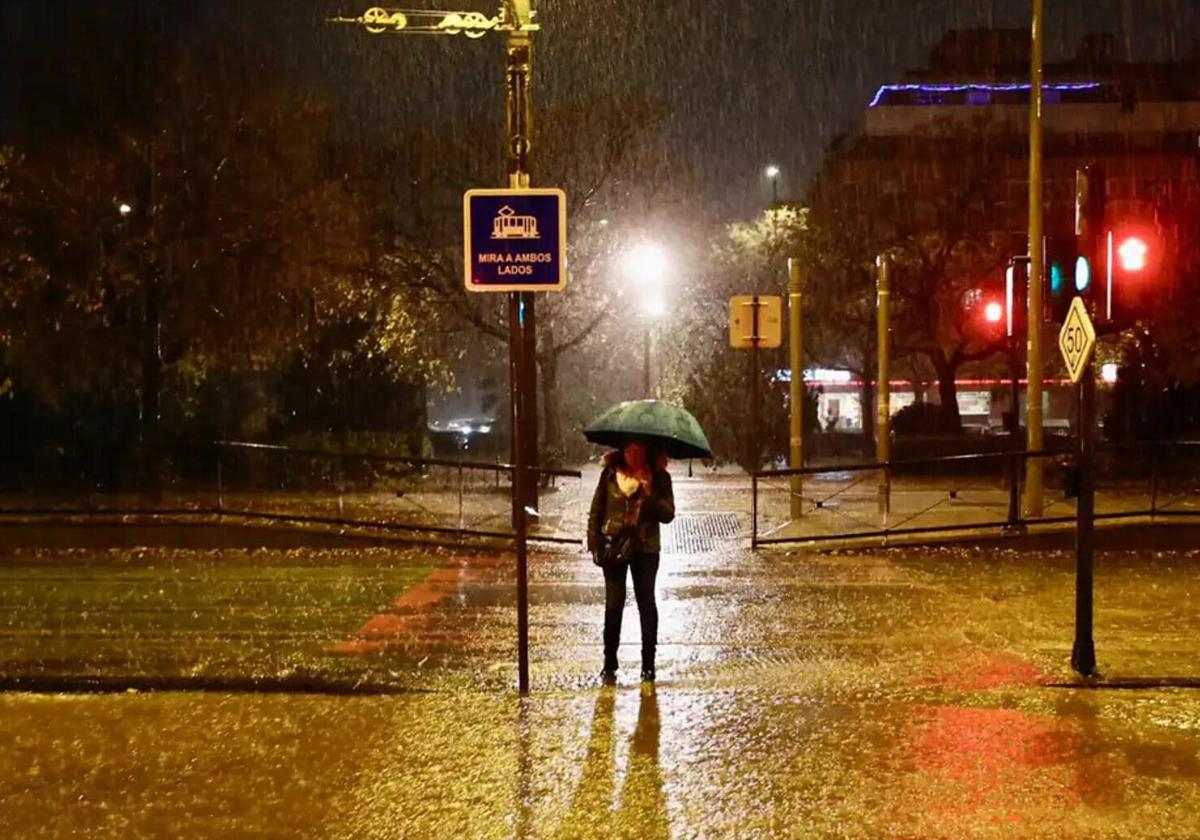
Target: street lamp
x=773 y=175
x=646 y=263
x=646 y=268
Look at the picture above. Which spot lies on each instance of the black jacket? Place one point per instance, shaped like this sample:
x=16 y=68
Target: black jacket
x=607 y=515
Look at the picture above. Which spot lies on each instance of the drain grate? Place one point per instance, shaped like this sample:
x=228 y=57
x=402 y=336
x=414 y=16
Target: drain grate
x=694 y=533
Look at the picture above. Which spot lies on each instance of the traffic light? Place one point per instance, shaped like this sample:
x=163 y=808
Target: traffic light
x=1016 y=297
x=1092 y=263
x=1134 y=257
x=1059 y=282
x=1131 y=254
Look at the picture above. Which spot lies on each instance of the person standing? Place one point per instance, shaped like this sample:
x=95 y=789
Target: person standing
x=633 y=498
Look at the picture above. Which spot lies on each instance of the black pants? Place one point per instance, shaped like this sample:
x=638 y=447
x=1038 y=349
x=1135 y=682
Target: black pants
x=644 y=569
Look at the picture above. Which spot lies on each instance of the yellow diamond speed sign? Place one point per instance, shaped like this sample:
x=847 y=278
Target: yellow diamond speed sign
x=1077 y=340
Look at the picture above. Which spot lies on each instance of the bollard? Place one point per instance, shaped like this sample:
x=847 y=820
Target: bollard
x=460 y=500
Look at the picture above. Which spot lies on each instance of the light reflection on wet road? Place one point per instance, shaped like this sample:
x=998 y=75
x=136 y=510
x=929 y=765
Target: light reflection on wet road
x=853 y=695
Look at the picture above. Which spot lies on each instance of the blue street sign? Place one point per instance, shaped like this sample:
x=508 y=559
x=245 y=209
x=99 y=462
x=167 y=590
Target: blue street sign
x=515 y=240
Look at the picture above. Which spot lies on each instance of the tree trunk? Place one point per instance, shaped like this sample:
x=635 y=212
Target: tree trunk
x=151 y=396
x=918 y=386
x=950 y=419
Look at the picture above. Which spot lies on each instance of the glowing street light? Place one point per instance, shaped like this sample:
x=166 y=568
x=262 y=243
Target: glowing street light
x=645 y=267
x=772 y=172
x=124 y=209
x=646 y=264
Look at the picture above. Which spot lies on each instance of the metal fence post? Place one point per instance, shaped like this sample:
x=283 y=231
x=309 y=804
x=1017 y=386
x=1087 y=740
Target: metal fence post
x=338 y=472
x=887 y=495
x=1014 y=490
x=460 y=500
x=1153 y=482
x=754 y=509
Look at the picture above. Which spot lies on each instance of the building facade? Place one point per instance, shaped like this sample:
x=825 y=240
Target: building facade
x=965 y=118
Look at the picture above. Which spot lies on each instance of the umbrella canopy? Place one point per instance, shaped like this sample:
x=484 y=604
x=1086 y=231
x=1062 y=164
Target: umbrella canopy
x=658 y=423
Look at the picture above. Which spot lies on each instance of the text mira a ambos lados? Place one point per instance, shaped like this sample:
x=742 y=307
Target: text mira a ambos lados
x=515 y=240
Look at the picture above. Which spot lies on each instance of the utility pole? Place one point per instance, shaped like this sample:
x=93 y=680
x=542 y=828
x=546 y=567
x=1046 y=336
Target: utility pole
x=883 y=420
x=1037 y=274
x=796 y=386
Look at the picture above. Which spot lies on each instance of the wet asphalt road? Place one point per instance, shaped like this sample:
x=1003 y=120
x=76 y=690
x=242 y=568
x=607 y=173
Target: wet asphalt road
x=878 y=694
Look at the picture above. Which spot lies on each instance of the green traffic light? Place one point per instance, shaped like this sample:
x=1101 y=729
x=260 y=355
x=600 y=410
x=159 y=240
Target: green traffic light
x=1056 y=278
x=1083 y=274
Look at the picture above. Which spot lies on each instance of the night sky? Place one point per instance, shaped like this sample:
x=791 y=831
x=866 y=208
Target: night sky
x=745 y=81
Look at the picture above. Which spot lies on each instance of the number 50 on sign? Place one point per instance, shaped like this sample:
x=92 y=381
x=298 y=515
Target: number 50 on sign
x=1077 y=340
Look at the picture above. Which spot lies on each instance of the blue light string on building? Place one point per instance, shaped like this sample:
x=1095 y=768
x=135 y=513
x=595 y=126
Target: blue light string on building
x=995 y=87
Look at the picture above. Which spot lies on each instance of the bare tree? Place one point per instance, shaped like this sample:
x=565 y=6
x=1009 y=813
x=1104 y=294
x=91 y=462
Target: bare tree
x=936 y=205
x=597 y=151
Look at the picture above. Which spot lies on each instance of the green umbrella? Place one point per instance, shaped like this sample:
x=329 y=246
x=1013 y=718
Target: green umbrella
x=655 y=422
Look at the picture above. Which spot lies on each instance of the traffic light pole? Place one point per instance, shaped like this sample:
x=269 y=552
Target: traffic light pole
x=1083 y=652
x=1037 y=273
x=883 y=420
x=1014 y=464
x=1090 y=200
x=796 y=386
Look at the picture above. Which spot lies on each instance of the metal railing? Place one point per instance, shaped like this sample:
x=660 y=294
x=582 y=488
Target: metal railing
x=435 y=497
x=959 y=493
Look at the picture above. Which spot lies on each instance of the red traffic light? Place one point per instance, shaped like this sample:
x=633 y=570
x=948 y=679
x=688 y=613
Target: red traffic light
x=993 y=313
x=1133 y=253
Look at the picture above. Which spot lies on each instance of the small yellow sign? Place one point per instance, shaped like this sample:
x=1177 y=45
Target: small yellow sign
x=1077 y=340
x=762 y=311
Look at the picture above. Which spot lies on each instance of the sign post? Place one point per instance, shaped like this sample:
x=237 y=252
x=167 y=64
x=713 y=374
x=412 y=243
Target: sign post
x=516 y=20
x=1077 y=342
x=515 y=241
x=755 y=321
